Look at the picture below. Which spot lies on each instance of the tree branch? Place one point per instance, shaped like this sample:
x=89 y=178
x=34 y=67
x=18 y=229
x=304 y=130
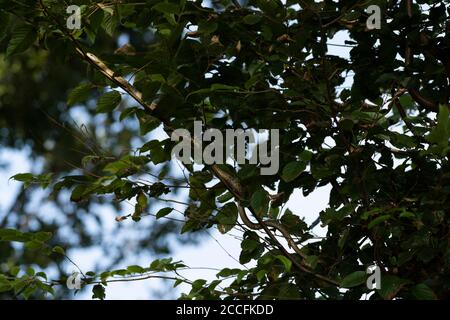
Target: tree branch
x=232 y=184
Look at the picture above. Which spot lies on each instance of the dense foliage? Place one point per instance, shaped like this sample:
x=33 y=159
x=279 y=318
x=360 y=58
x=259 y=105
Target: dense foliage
x=382 y=144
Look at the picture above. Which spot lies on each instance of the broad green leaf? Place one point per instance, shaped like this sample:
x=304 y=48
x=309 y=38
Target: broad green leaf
x=207 y=27
x=98 y=292
x=440 y=135
x=135 y=269
x=292 y=170
x=227 y=217
x=354 y=279
x=26 y=178
x=286 y=262
x=78 y=193
x=59 y=250
x=42 y=236
x=252 y=19
x=43 y=180
x=260 y=275
x=30 y=271
x=14 y=271
x=167 y=7
x=23 y=36
x=378 y=220
x=163 y=212
x=225 y=197
x=4 y=23
x=391 y=285
x=148 y=123
x=108 y=102
x=312 y=261
x=34 y=244
x=142 y=200
x=41 y=275
x=223 y=87
x=127 y=113
x=14 y=235
x=4 y=287
x=260 y=202
x=423 y=292
x=226 y=272
x=110 y=22
x=116 y=166
x=79 y=94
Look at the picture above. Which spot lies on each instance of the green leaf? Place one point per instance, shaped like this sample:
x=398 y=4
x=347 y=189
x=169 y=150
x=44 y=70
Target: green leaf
x=312 y=261
x=167 y=7
x=391 y=285
x=148 y=123
x=41 y=275
x=177 y=283
x=108 y=102
x=43 y=180
x=423 y=292
x=14 y=235
x=4 y=23
x=98 y=292
x=119 y=272
x=354 y=279
x=14 y=271
x=29 y=291
x=227 y=272
x=135 y=269
x=292 y=170
x=105 y=275
x=116 y=166
x=79 y=94
x=286 y=262
x=260 y=275
x=252 y=19
x=207 y=27
x=42 y=236
x=89 y=159
x=34 y=244
x=59 y=250
x=26 y=178
x=225 y=197
x=163 y=212
x=23 y=177
x=23 y=36
x=4 y=287
x=260 y=202
x=110 y=21
x=227 y=217
x=440 y=135
x=30 y=271
x=223 y=87
x=165 y=265
x=142 y=200
x=78 y=193
x=378 y=220
x=251 y=248
x=127 y=113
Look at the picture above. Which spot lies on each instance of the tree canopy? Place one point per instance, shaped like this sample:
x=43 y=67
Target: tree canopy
x=381 y=143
